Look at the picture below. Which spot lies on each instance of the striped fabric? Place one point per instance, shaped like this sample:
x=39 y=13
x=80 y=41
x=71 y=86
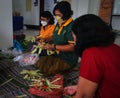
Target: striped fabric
x=18 y=86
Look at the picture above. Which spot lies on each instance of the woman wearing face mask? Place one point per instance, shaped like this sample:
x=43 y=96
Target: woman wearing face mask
x=47 y=22
x=63 y=42
x=46 y=31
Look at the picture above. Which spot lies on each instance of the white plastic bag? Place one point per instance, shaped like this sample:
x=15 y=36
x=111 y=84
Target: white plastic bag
x=11 y=52
x=26 y=59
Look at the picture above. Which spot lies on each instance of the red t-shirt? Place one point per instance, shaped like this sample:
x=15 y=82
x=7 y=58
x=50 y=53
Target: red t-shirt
x=102 y=65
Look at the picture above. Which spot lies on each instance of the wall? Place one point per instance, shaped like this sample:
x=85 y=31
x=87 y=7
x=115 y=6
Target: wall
x=49 y=5
x=6 y=30
x=116 y=10
x=31 y=17
x=94 y=7
x=17 y=6
x=116 y=22
x=79 y=7
x=116 y=15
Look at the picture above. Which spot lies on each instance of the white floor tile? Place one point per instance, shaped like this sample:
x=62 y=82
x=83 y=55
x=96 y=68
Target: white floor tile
x=31 y=32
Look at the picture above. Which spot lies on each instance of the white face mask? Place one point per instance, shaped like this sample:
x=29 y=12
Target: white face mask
x=44 y=23
x=59 y=19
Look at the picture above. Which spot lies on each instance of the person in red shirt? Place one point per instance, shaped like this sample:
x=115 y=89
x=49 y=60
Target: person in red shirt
x=100 y=59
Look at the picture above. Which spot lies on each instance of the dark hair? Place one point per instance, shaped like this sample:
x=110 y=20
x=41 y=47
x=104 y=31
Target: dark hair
x=91 y=30
x=48 y=15
x=65 y=8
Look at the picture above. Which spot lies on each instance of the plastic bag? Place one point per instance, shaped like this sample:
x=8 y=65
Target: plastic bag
x=26 y=59
x=17 y=45
x=16 y=52
x=11 y=52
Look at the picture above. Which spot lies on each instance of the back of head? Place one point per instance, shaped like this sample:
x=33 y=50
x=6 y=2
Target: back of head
x=65 y=8
x=48 y=15
x=91 y=31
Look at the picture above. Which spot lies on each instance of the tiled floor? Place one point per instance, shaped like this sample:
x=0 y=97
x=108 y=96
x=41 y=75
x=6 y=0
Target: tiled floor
x=31 y=32
x=27 y=32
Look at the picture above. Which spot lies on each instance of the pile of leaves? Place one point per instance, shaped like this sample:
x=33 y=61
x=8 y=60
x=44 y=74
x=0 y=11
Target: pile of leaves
x=42 y=86
x=38 y=49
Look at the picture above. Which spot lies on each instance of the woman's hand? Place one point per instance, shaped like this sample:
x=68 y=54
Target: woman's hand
x=65 y=48
x=70 y=90
x=48 y=46
x=42 y=40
